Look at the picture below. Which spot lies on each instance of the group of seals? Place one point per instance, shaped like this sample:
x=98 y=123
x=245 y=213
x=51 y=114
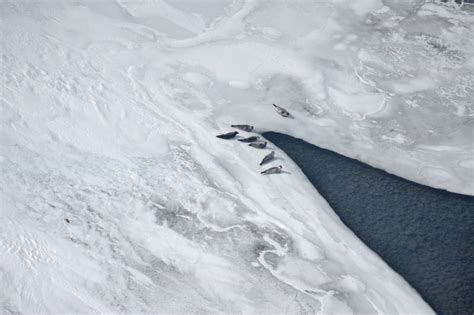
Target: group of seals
x=254 y=141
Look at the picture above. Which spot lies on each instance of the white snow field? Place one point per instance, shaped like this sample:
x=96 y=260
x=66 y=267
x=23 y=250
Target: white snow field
x=109 y=111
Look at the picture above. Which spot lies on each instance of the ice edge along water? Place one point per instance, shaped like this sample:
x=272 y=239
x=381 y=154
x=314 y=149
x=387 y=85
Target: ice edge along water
x=109 y=112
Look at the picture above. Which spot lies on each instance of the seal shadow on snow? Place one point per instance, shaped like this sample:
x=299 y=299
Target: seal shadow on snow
x=424 y=234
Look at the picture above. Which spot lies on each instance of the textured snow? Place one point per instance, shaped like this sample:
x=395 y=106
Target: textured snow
x=109 y=114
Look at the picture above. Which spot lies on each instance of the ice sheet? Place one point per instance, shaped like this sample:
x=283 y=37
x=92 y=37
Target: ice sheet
x=109 y=114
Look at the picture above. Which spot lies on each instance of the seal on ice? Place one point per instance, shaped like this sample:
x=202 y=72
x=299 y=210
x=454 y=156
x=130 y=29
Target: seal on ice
x=280 y=110
x=272 y=170
x=258 y=145
x=228 y=135
x=268 y=158
x=249 y=139
x=247 y=128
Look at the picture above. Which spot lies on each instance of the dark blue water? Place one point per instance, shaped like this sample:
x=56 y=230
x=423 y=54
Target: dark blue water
x=425 y=234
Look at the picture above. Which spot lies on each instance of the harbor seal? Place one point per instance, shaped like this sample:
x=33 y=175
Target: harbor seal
x=268 y=158
x=249 y=139
x=228 y=135
x=258 y=145
x=280 y=110
x=272 y=170
x=247 y=128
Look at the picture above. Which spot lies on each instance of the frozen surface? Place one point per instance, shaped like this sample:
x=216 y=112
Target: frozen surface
x=109 y=111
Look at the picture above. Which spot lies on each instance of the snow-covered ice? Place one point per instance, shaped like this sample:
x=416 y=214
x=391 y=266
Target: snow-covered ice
x=109 y=111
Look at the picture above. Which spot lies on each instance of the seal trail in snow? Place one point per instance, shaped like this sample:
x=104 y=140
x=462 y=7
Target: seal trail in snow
x=272 y=170
x=228 y=135
x=249 y=139
x=247 y=128
x=268 y=158
x=280 y=110
x=258 y=145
